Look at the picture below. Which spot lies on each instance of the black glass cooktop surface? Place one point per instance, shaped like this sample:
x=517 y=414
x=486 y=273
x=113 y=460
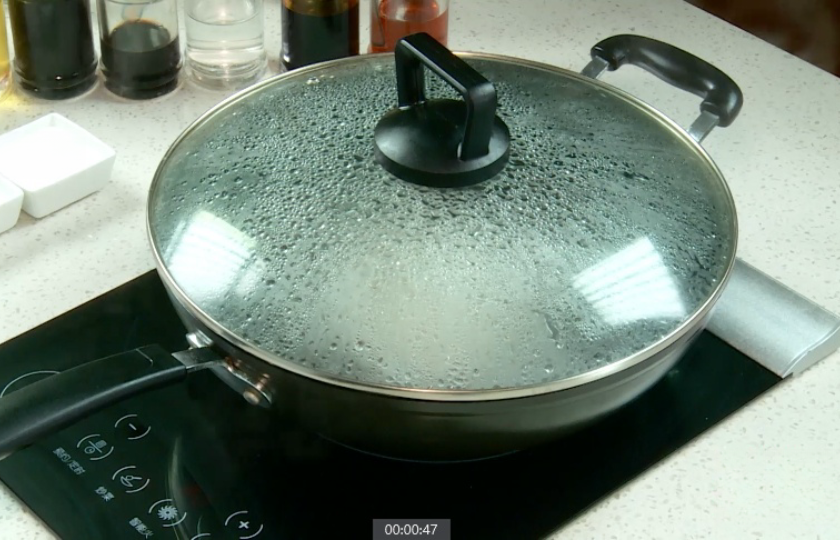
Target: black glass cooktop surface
x=194 y=461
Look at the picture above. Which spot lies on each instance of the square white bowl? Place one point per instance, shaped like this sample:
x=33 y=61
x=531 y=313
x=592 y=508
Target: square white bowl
x=11 y=199
x=55 y=162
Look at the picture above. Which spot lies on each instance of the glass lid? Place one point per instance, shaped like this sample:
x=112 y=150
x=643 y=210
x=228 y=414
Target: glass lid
x=606 y=232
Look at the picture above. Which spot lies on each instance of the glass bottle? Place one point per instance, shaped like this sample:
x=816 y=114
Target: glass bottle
x=54 y=54
x=5 y=71
x=318 y=30
x=391 y=20
x=225 y=43
x=141 y=53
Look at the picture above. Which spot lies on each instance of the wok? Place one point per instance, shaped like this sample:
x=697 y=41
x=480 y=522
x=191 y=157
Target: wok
x=461 y=276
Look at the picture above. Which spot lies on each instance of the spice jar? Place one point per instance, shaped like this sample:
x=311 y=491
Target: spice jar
x=141 y=53
x=53 y=39
x=392 y=20
x=225 y=46
x=318 y=30
x=5 y=72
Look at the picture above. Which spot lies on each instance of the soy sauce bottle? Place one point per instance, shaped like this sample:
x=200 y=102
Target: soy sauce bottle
x=53 y=39
x=318 y=30
x=141 y=51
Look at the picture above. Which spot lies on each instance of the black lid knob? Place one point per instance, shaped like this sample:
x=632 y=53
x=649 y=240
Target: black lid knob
x=441 y=143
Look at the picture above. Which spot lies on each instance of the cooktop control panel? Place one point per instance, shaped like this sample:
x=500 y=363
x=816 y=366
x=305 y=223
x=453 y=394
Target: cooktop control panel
x=127 y=469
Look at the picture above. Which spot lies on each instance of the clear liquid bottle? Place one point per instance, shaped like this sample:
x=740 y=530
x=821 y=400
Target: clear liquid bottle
x=318 y=30
x=54 y=54
x=5 y=71
x=141 y=52
x=225 y=42
x=391 y=20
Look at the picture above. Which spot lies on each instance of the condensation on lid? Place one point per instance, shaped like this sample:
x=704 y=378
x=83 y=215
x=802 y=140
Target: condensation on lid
x=604 y=234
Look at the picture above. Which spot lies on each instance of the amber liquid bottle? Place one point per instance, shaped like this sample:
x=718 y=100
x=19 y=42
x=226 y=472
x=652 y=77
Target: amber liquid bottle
x=318 y=30
x=5 y=72
x=391 y=20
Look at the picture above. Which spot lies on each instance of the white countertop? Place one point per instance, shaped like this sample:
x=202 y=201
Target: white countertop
x=770 y=471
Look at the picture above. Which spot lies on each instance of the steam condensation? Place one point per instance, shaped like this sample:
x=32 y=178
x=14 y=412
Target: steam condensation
x=603 y=235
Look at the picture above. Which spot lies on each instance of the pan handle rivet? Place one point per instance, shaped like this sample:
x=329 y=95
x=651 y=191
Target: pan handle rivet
x=252 y=397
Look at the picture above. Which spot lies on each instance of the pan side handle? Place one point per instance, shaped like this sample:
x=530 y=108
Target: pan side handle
x=60 y=400
x=722 y=98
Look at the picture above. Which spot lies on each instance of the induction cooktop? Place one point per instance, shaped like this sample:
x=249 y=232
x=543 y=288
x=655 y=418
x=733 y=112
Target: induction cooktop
x=195 y=461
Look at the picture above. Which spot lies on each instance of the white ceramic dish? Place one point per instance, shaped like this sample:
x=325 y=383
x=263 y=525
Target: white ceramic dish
x=55 y=162
x=11 y=200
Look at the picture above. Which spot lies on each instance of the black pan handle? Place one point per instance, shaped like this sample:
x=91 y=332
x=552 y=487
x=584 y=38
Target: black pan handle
x=722 y=98
x=440 y=142
x=51 y=404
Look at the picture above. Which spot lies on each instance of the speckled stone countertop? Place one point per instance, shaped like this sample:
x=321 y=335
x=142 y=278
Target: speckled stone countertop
x=770 y=471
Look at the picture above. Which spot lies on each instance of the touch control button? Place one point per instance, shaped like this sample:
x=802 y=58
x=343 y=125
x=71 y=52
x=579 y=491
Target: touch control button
x=167 y=513
x=131 y=426
x=130 y=480
x=239 y=523
x=95 y=447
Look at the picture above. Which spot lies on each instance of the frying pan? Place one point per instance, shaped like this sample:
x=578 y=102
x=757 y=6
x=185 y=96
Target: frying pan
x=480 y=268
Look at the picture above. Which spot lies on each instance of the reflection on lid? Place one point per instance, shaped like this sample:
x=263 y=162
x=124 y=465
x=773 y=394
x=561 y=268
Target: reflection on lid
x=208 y=256
x=634 y=284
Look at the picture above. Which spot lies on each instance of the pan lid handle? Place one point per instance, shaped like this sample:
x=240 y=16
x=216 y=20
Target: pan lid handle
x=441 y=142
